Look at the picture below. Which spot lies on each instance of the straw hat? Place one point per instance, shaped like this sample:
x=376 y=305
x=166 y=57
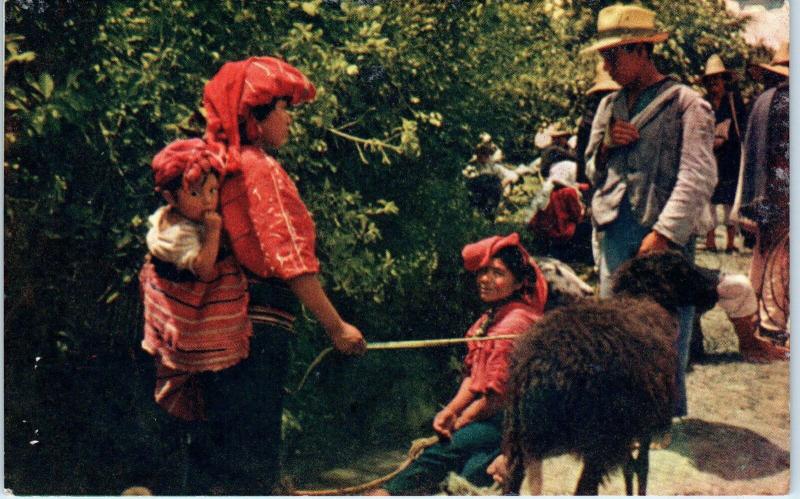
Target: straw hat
x=602 y=80
x=715 y=66
x=545 y=137
x=780 y=61
x=625 y=24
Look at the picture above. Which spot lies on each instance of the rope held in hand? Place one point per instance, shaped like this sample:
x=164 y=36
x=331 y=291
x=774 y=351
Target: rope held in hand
x=399 y=345
x=416 y=449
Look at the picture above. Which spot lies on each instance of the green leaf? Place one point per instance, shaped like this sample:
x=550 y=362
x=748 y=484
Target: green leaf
x=46 y=85
x=310 y=8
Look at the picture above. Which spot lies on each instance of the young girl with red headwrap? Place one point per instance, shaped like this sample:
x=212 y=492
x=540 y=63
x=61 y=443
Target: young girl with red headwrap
x=470 y=425
x=273 y=237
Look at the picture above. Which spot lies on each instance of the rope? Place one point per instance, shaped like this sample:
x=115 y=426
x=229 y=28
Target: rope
x=416 y=449
x=398 y=345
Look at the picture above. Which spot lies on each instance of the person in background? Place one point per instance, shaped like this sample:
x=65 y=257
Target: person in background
x=650 y=157
x=774 y=73
x=558 y=212
x=762 y=203
x=555 y=146
x=730 y=120
x=487 y=178
x=603 y=85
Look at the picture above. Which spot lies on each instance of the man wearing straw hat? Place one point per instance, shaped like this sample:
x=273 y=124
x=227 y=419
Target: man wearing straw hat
x=649 y=157
x=602 y=86
x=774 y=73
x=730 y=119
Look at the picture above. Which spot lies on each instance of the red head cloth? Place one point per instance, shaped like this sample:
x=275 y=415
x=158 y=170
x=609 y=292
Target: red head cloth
x=190 y=158
x=477 y=255
x=242 y=85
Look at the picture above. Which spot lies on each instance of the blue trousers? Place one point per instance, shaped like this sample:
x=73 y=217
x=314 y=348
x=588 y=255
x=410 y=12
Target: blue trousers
x=620 y=242
x=471 y=450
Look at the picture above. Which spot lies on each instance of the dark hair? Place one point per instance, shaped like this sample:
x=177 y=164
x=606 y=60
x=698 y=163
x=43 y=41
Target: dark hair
x=260 y=113
x=516 y=262
x=485 y=149
x=633 y=47
x=175 y=184
x=647 y=46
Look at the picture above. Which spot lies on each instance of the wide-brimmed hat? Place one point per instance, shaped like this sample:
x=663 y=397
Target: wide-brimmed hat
x=715 y=66
x=602 y=80
x=780 y=61
x=545 y=137
x=625 y=24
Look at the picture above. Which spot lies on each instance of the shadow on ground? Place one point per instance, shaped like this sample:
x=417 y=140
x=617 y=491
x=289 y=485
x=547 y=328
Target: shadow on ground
x=719 y=358
x=730 y=452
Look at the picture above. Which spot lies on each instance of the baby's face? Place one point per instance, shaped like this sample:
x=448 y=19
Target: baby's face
x=198 y=198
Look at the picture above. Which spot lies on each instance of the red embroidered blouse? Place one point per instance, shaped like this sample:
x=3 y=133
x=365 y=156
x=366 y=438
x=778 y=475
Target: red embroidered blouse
x=270 y=229
x=487 y=361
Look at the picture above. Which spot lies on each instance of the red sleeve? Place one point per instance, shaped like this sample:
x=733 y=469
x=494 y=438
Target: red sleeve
x=497 y=367
x=282 y=226
x=490 y=367
x=472 y=347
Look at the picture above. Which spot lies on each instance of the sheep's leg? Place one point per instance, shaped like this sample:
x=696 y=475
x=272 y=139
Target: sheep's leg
x=642 y=465
x=514 y=482
x=627 y=473
x=589 y=483
x=532 y=485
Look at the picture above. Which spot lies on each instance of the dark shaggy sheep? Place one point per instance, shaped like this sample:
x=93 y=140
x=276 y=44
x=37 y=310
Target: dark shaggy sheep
x=592 y=378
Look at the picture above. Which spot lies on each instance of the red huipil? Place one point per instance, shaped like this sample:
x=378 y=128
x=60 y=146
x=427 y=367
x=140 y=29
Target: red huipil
x=269 y=227
x=487 y=361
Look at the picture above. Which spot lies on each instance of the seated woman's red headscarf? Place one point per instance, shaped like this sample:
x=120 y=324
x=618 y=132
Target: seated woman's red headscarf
x=242 y=85
x=478 y=255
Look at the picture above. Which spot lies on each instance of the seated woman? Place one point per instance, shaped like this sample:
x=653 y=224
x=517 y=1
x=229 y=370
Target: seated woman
x=470 y=425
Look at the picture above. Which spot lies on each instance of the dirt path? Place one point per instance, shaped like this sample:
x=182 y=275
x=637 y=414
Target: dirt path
x=735 y=440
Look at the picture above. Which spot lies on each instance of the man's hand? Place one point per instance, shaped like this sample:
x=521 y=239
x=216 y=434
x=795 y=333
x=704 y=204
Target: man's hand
x=349 y=340
x=653 y=241
x=444 y=422
x=623 y=133
x=498 y=469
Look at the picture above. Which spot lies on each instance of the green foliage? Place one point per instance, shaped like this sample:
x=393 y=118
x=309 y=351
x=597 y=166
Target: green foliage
x=94 y=90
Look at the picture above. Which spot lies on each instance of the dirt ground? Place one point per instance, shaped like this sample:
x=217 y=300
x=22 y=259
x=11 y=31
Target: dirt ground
x=735 y=440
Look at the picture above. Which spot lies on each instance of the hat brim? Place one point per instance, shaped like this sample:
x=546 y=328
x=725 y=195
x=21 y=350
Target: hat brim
x=731 y=74
x=776 y=68
x=616 y=41
x=604 y=86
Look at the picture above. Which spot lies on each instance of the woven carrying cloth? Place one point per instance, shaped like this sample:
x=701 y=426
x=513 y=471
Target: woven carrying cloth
x=193 y=326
